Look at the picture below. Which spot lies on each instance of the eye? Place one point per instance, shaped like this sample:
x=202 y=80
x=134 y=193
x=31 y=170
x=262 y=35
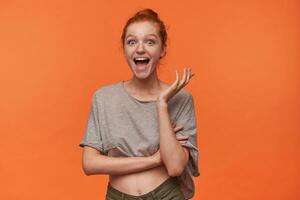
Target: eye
x=150 y=42
x=130 y=42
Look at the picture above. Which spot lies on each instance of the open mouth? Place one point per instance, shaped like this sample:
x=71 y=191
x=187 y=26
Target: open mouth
x=141 y=61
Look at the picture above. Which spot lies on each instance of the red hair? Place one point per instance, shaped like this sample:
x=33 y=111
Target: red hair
x=147 y=15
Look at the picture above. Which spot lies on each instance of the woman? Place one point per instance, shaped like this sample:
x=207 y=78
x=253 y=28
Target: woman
x=130 y=135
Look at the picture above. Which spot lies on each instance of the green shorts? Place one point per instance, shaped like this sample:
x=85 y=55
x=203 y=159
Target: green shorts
x=167 y=190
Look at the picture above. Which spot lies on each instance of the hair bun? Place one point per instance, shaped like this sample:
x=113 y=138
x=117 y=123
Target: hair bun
x=149 y=15
x=148 y=12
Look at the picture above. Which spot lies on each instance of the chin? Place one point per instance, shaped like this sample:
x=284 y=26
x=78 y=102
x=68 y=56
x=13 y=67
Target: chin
x=141 y=75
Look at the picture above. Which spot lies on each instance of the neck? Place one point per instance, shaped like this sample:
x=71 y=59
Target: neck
x=146 y=86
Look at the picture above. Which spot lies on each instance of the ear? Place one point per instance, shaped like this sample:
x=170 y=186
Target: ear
x=163 y=52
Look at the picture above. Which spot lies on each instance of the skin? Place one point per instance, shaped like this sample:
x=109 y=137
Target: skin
x=174 y=156
x=139 y=175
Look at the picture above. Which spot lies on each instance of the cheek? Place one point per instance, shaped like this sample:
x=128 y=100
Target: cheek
x=127 y=53
x=156 y=54
x=154 y=50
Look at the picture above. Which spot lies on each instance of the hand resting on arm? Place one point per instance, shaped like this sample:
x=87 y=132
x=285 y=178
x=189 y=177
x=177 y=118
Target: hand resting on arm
x=93 y=162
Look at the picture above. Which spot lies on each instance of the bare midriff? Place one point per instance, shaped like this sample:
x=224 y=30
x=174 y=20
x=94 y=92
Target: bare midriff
x=141 y=182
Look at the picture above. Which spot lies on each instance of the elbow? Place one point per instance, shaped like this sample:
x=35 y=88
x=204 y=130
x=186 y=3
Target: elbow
x=86 y=169
x=88 y=166
x=87 y=172
x=175 y=171
x=90 y=162
x=92 y=168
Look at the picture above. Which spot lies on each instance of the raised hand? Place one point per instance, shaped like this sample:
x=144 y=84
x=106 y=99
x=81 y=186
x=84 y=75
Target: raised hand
x=176 y=86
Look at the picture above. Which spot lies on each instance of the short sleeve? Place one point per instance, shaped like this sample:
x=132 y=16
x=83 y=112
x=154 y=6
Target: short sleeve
x=92 y=136
x=187 y=119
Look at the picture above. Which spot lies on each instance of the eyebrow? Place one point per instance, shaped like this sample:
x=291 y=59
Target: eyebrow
x=152 y=34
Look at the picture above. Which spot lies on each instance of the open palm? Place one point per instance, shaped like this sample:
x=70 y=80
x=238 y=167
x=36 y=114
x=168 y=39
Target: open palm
x=176 y=85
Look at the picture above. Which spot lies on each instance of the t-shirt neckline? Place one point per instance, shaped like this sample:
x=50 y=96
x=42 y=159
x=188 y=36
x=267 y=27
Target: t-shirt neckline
x=121 y=83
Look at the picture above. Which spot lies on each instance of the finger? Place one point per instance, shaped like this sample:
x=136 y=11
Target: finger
x=182 y=142
x=178 y=128
x=173 y=125
x=179 y=84
x=183 y=78
x=186 y=77
x=189 y=76
x=176 y=82
x=192 y=75
x=179 y=125
x=177 y=79
x=182 y=137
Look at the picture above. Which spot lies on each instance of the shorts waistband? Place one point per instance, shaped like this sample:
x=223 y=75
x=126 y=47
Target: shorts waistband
x=169 y=183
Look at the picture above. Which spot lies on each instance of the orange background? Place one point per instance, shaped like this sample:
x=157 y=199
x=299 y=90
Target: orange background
x=245 y=55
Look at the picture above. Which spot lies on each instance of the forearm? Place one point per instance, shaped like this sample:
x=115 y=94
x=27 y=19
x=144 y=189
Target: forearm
x=172 y=153
x=100 y=164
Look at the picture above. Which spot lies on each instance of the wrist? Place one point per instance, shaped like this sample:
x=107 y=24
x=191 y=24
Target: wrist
x=153 y=159
x=161 y=103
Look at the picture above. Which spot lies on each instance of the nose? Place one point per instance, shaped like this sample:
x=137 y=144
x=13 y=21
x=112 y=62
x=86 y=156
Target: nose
x=140 y=49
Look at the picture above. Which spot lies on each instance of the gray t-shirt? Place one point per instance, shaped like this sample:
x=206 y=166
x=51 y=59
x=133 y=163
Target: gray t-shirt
x=120 y=125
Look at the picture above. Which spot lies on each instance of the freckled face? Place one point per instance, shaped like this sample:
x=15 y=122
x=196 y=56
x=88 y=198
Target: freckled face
x=142 y=48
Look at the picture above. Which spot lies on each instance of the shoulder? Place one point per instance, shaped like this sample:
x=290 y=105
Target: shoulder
x=106 y=89
x=105 y=93
x=183 y=96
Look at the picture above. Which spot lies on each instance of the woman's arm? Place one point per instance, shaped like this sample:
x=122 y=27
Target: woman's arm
x=174 y=156
x=95 y=163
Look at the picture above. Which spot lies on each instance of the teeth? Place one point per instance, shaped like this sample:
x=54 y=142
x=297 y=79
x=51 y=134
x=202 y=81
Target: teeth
x=141 y=58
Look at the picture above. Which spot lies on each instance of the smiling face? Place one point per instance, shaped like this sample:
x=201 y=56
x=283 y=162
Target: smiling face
x=143 y=48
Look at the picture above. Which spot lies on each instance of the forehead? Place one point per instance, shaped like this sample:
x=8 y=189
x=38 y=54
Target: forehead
x=142 y=29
